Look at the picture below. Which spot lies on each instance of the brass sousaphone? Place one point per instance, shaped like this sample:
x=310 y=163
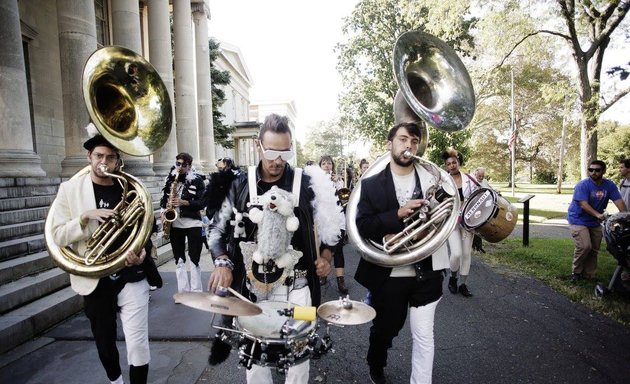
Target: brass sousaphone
x=129 y=105
x=435 y=89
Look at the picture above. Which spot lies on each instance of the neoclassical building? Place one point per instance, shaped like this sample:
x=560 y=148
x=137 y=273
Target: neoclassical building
x=42 y=111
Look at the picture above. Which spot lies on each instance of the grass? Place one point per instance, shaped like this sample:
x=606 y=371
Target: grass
x=549 y=260
x=543 y=213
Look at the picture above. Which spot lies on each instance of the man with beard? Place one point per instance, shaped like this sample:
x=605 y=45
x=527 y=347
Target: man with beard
x=387 y=198
x=82 y=204
x=590 y=198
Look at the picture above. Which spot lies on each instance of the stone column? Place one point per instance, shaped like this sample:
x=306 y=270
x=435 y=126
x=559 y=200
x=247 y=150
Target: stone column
x=126 y=32
x=77 y=41
x=162 y=59
x=204 y=93
x=185 y=111
x=17 y=157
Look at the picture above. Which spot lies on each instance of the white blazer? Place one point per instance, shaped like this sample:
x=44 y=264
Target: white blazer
x=440 y=256
x=74 y=197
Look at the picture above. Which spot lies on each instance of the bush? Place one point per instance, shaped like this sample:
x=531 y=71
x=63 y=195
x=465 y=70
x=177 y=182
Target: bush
x=545 y=177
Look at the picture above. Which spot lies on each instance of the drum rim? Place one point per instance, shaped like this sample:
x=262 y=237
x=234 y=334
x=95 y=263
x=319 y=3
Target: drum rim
x=493 y=212
x=269 y=339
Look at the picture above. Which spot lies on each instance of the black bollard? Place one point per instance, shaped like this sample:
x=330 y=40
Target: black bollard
x=525 y=200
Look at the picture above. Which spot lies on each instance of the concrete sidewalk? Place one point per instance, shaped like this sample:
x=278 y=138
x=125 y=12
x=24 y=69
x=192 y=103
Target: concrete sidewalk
x=513 y=330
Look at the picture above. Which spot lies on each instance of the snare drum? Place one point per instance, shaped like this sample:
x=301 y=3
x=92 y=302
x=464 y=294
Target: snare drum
x=489 y=215
x=274 y=340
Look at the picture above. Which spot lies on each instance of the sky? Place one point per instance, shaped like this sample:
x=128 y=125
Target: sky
x=288 y=47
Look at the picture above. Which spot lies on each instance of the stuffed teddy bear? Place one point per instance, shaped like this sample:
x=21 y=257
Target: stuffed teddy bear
x=238 y=223
x=276 y=224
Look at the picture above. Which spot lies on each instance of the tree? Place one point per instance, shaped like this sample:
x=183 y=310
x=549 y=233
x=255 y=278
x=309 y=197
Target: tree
x=219 y=79
x=365 y=60
x=588 y=30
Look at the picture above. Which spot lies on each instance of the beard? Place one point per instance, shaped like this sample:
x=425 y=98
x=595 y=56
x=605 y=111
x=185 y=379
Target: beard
x=402 y=160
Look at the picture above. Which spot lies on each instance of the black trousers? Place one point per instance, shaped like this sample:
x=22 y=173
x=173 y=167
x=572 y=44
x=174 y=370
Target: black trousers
x=391 y=303
x=178 y=244
x=101 y=308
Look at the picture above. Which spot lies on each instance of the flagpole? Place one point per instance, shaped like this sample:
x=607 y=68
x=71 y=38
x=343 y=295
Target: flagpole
x=512 y=132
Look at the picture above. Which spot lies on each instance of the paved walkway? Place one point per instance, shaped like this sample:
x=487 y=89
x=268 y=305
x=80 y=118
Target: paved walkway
x=513 y=330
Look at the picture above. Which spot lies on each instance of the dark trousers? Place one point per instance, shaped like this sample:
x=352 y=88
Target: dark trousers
x=391 y=302
x=178 y=244
x=101 y=308
x=338 y=258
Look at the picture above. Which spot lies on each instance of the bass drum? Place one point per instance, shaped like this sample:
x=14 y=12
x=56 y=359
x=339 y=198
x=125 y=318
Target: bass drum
x=489 y=215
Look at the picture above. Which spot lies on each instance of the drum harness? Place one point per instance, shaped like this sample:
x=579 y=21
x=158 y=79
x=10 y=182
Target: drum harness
x=295 y=278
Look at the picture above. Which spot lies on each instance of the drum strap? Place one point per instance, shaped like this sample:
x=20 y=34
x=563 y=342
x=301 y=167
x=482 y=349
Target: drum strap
x=473 y=180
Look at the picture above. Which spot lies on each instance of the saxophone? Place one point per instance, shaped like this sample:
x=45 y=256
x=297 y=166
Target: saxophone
x=170 y=213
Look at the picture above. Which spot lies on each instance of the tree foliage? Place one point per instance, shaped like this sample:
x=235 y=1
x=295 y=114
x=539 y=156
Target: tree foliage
x=219 y=79
x=587 y=27
x=365 y=59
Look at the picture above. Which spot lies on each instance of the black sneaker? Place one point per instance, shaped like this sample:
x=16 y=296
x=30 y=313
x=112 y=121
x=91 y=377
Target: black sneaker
x=463 y=289
x=452 y=284
x=575 y=277
x=377 y=376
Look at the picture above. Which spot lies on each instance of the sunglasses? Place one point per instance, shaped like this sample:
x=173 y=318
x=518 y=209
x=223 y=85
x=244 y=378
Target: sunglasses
x=598 y=170
x=272 y=154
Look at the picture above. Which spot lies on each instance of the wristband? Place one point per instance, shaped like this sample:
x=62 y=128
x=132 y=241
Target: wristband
x=226 y=263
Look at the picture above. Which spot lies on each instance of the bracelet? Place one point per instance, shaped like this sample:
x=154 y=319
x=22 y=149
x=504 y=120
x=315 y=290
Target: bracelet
x=225 y=263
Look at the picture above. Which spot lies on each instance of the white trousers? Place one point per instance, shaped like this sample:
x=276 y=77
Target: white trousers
x=133 y=301
x=423 y=348
x=297 y=374
x=460 y=250
x=183 y=283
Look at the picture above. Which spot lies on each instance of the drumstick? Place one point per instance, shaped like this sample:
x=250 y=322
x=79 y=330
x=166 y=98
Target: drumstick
x=239 y=295
x=316 y=241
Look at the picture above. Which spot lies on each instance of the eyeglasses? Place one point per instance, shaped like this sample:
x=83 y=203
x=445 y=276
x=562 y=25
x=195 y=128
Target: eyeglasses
x=272 y=154
x=598 y=170
x=180 y=164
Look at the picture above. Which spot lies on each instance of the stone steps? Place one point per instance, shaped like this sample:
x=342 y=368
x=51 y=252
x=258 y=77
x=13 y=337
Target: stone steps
x=32 y=319
x=35 y=294
x=15 y=269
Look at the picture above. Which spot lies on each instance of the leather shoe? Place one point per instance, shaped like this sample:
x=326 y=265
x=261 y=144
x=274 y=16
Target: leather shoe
x=463 y=289
x=377 y=376
x=452 y=284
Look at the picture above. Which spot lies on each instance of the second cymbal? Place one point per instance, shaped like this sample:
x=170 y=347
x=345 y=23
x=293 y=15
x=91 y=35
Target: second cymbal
x=209 y=302
x=346 y=312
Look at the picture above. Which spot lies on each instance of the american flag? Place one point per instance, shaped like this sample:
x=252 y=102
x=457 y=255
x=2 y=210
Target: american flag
x=512 y=139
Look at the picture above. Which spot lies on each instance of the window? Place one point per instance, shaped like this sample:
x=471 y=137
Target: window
x=102 y=26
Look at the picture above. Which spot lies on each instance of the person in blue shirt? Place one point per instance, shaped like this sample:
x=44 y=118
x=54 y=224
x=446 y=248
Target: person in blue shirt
x=590 y=198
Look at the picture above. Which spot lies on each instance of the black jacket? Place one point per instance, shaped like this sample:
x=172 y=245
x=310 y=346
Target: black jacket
x=222 y=241
x=216 y=190
x=377 y=216
x=193 y=192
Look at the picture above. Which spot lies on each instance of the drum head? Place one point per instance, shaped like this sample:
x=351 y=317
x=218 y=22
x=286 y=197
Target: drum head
x=269 y=323
x=479 y=208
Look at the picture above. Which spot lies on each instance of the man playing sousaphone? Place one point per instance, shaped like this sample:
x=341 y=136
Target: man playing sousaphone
x=83 y=203
x=386 y=200
x=315 y=207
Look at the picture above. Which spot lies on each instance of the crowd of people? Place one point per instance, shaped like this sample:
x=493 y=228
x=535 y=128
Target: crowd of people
x=213 y=211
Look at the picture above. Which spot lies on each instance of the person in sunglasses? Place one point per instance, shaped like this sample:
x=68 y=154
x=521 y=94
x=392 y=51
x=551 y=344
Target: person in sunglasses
x=320 y=220
x=188 y=201
x=586 y=212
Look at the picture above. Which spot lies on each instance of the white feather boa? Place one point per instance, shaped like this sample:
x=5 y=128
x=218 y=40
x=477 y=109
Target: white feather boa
x=328 y=215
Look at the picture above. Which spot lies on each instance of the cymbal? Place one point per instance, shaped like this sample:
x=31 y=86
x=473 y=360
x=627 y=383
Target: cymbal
x=209 y=302
x=346 y=312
